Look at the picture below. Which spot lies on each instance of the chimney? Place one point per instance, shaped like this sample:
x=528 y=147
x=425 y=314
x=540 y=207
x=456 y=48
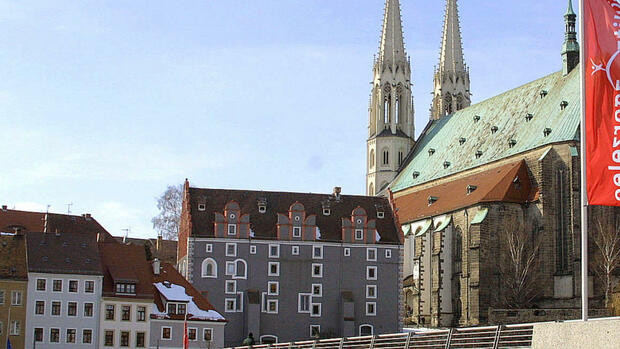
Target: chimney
x=337 y=191
x=87 y=216
x=4 y=208
x=156 y=266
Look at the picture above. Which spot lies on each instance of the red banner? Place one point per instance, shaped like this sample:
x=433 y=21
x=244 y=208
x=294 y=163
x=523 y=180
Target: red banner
x=602 y=87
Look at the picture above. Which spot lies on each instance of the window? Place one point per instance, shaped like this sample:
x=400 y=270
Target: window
x=241 y=269
x=166 y=333
x=108 y=338
x=371 y=308
x=230 y=268
x=38 y=334
x=359 y=234
x=41 y=284
x=380 y=214
x=371 y=291
x=141 y=315
x=274 y=269
x=209 y=268
x=126 y=313
x=317 y=252
x=295 y=250
x=296 y=232
x=15 y=328
x=262 y=208
x=316 y=310
x=317 y=270
x=124 y=339
x=57 y=285
x=124 y=288
x=89 y=286
x=87 y=336
x=73 y=286
x=274 y=251
x=207 y=334
x=268 y=339
x=56 y=308
x=192 y=334
x=386 y=157
x=231 y=286
x=109 y=312
x=252 y=249
x=16 y=298
x=371 y=254
x=303 y=303
x=1 y=297
x=273 y=288
x=88 y=309
x=231 y=305
x=317 y=290
x=181 y=309
x=72 y=309
x=347 y=252
x=70 y=335
x=371 y=273
x=315 y=331
x=140 y=339
x=54 y=335
x=39 y=307
x=326 y=212
x=272 y=306
x=388 y=253
x=202 y=207
x=209 y=248
x=366 y=330
x=172 y=308
x=231 y=249
x=400 y=158
x=232 y=229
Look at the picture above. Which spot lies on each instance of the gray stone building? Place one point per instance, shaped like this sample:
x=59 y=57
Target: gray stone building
x=317 y=261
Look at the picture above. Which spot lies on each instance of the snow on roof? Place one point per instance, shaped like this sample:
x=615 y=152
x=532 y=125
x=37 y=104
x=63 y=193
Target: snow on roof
x=176 y=293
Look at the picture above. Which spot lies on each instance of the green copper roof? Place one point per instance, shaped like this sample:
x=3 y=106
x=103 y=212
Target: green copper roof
x=541 y=112
x=570 y=11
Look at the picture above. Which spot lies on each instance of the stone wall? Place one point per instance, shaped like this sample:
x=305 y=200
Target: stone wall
x=519 y=316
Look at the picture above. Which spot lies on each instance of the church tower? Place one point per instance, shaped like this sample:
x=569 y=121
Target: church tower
x=451 y=92
x=570 y=48
x=391 y=127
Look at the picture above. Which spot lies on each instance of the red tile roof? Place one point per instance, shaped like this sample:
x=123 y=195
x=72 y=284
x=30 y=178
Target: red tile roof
x=13 y=264
x=126 y=263
x=164 y=250
x=507 y=183
x=63 y=253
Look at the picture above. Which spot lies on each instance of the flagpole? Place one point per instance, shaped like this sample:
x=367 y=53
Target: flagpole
x=584 y=194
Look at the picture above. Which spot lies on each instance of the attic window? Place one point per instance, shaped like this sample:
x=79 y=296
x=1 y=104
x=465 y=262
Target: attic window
x=415 y=174
x=380 y=214
x=547 y=132
x=471 y=189
x=431 y=152
x=262 y=208
x=543 y=94
x=262 y=205
x=563 y=105
x=446 y=164
x=512 y=143
x=494 y=129
x=517 y=183
x=529 y=117
x=432 y=200
x=476 y=118
x=478 y=154
x=326 y=211
x=202 y=207
x=462 y=140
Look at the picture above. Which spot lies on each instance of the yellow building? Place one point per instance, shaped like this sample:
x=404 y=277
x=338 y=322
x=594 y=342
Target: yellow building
x=13 y=289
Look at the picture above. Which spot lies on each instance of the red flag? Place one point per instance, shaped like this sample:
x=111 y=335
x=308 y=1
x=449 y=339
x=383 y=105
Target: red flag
x=602 y=110
x=185 y=334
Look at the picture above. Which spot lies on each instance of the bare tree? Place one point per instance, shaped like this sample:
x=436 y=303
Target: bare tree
x=169 y=204
x=518 y=264
x=607 y=261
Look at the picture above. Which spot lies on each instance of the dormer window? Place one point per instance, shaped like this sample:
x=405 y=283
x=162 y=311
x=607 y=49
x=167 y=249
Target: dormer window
x=476 y=118
x=125 y=288
x=529 y=117
x=462 y=140
x=563 y=105
x=177 y=308
x=494 y=129
x=232 y=229
x=547 y=132
x=446 y=164
x=471 y=189
x=415 y=174
x=296 y=232
x=431 y=152
x=380 y=214
x=478 y=154
x=262 y=205
x=512 y=143
x=543 y=94
x=359 y=234
x=432 y=200
x=202 y=207
x=262 y=208
x=326 y=211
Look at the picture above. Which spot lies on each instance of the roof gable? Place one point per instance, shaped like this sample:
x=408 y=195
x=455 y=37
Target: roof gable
x=487 y=128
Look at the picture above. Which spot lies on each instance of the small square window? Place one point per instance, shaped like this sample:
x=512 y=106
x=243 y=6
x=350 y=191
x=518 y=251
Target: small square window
x=209 y=248
x=39 y=307
x=73 y=286
x=56 y=308
x=72 y=309
x=317 y=290
x=70 y=338
x=273 y=288
x=38 y=334
x=192 y=334
x=87 y=336
x=262 y=208
x=296 y=232
x=231 y=287
x=54 y=335
x=274 y=269
x=274 y=251
x=388 y=253
x=231 y=268
x=317 y=270
x=166 y=333
x=231 y=305
x=41 y=284
x=89 y=286
x=315 y=310
x=371 y=254
x=380 y=214
x=315 y=331
x=88 y=309
x=253 y=249
x=295 y=250
x=371 y=273
x=317 y=252
x=272 y=306
x=347 y=252
x=232 y=229
x=207 y=334
x=231 y=249
x=108 y=338
x=371 y=308
x=326 y=212
x=371 y=291
x=359 y=234
x=57 y=286
x=202 y=207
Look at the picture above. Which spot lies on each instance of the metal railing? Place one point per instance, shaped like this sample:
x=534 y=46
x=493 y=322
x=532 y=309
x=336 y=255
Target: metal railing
x=496 y=337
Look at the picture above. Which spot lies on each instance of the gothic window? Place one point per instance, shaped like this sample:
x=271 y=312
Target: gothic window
x=397 y=110
x=448 y=104
x=562 y=235
x=372 y=158
x=371 y=189
x=387 y=106
x=459 y=102
x=401 y=157
x=386 y=157
x=209 y=268
x=458 y=250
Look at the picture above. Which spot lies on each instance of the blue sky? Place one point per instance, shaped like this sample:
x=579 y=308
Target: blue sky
x=105 y=103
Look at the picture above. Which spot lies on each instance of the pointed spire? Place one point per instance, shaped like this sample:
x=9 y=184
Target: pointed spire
x=570 y=48
x=570 y=11
x=451 y=56
x=392 y=48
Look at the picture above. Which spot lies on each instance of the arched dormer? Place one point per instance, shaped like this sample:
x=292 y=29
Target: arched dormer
x=296 y=225
x=232 y=223
x=209 y=268
x=359 y=229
